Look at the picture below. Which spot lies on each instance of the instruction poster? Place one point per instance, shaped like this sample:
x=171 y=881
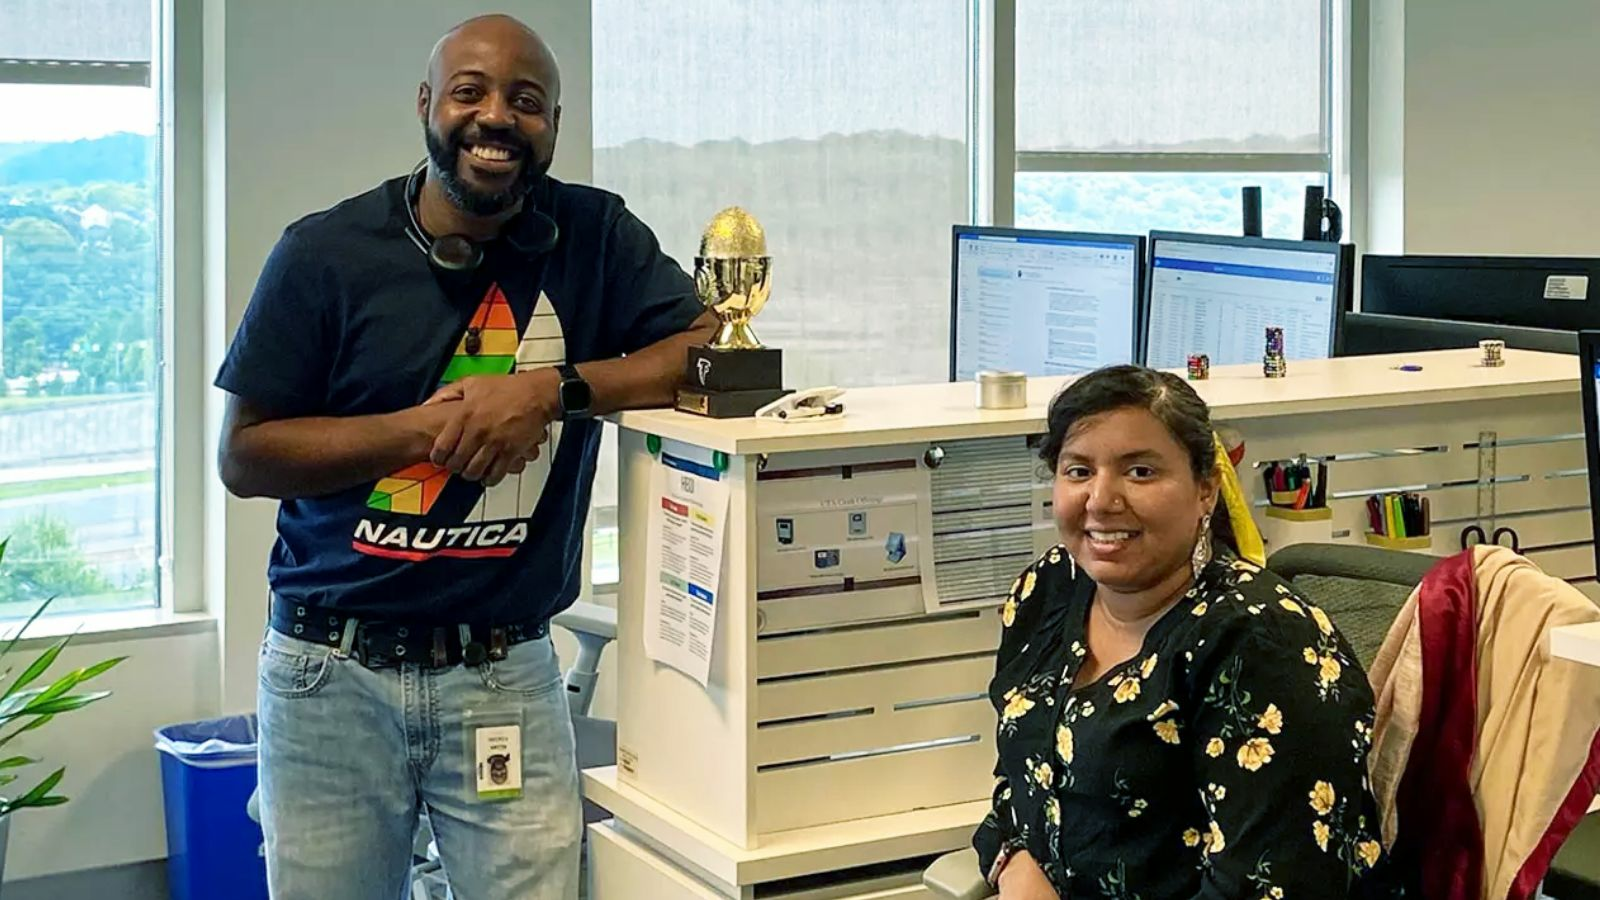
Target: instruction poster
x=689 y=513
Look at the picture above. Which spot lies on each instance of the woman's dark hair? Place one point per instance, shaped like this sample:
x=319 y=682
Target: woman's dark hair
x=1163 y=395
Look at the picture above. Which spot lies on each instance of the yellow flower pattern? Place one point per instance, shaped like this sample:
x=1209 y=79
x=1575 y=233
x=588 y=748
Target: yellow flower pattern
x=1127 y=691
x=1233 y=701
x=1255 y=753
x=1324 y=624
x=1017 y=706
x=1322 y=798
x=1271 y=720
x=1167 y=730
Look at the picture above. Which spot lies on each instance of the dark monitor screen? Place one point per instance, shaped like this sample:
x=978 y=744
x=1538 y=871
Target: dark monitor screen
x=1534 y=292
x=1218 y=295
x=1042 y=302
x=1369 y=334
x=1588 y=376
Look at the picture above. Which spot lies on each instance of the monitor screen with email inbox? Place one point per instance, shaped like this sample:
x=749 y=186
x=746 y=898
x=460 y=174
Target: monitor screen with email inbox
x=1218 y=295
x=1043 y=302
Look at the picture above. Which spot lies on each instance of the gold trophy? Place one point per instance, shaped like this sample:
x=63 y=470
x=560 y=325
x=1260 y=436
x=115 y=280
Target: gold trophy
x=734 y=375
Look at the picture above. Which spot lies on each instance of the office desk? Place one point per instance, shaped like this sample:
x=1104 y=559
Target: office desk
x=845 y=736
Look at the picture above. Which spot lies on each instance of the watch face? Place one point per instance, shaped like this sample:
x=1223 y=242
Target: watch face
x=575 y=396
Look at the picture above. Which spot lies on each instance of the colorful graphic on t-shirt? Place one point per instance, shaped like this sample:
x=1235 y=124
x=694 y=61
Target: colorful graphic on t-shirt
x=489 y=346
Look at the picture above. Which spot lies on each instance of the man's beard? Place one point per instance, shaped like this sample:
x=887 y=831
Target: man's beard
x=445 y=154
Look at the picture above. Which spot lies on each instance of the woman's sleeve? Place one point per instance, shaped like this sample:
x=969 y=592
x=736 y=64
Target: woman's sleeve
x=1033 y=603
x=1279 y=738
x=998 y=836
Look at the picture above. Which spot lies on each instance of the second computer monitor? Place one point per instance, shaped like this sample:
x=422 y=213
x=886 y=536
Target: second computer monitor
x=1218 y=295
x=1042 y=302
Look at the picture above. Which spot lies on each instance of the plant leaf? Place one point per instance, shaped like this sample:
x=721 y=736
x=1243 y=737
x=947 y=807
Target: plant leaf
x=3 y=549
x=15 y=761
x=40 y=790
x=55 y=800
x=39 y=722
x=25 y=626
x=36 y=668
x=98 y=669
x=58 y=705
x=13 y=706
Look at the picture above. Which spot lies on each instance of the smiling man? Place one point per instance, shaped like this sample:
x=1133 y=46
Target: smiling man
x=416 y=379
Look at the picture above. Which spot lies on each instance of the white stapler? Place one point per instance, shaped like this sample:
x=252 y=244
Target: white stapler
x=806 y=405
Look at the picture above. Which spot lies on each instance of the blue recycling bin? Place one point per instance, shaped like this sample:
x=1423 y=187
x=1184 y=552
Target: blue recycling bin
x=208 y=772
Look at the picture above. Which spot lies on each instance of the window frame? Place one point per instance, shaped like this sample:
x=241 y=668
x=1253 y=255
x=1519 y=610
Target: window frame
x=179 y=427
x=1004 y=161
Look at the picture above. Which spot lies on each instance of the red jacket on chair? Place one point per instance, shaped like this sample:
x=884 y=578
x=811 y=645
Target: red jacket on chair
x=1486 y=750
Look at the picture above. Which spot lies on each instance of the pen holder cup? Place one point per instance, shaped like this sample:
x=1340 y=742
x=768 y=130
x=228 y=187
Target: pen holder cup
x=1282 y=527
x=1284 y=498
x=1422 y=542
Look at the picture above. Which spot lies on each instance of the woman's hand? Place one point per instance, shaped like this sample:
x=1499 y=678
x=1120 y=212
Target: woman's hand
x=1022 y=879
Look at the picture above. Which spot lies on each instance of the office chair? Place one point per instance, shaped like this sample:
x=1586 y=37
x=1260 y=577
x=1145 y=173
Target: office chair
x=1361 y=589
x=594 y=626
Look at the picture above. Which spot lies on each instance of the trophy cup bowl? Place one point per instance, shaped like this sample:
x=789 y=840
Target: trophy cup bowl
x=735 y=374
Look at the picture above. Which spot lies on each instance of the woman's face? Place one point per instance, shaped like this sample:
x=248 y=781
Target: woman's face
x=1127 y=503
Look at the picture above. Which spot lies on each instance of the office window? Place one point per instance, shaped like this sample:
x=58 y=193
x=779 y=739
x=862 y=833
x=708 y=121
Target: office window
x=841 y=125
x=1134 y=117
x=80 y=342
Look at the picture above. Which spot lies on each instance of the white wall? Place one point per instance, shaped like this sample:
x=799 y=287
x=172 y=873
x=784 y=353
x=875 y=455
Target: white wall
x=302 y=103
x=1485 y=127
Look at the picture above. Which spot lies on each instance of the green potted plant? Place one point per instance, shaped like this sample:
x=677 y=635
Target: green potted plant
x=28 y=703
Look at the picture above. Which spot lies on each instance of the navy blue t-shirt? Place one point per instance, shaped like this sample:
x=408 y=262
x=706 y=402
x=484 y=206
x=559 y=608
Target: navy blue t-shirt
x=349 y=319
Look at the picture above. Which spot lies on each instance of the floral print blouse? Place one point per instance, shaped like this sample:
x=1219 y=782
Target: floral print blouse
x=1226 y=759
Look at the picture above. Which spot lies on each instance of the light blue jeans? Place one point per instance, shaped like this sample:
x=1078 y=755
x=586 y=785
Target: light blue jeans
x=350 y=755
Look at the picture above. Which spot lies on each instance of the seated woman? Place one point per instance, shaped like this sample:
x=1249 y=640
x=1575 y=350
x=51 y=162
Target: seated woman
x=1174 y=721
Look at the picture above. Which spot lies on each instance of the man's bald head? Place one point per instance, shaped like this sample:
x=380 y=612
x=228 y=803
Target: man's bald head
x=490 y=111
x=500 y=31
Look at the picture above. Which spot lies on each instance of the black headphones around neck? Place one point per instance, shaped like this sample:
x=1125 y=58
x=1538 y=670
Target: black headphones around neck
x=531 y=233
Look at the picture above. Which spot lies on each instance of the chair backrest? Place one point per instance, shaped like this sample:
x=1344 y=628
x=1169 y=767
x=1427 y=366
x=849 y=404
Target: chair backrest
x=1360 y=588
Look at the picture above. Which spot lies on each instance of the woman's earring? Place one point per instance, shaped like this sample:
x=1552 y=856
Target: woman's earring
x=1202 y=546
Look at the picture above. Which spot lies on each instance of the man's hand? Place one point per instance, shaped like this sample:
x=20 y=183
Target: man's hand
x=1022 y=879
x=498 y=424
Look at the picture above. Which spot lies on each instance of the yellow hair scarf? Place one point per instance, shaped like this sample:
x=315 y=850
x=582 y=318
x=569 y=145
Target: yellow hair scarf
x=1245 y=533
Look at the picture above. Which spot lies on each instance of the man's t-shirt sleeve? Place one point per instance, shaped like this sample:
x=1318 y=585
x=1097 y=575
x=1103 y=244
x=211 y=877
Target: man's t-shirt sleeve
x=652 y=296
x=279 y=358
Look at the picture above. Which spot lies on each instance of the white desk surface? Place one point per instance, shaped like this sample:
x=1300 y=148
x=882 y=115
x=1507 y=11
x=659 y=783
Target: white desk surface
x=788 y=854
x=1579 y=643
x=917 y=413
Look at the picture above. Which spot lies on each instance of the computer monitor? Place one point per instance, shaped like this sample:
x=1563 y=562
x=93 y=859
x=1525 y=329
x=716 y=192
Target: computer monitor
x=1217 y=295
x=1368 y=334
x=1530 y=291
x=1042 y=302
x=1589 y=379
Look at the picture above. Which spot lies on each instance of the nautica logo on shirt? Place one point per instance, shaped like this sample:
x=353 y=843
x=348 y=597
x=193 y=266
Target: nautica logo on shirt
x=492 y=539
x=404 y=507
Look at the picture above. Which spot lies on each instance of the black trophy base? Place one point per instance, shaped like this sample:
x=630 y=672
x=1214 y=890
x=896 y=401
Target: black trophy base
x=726 y=404
x=711 y=369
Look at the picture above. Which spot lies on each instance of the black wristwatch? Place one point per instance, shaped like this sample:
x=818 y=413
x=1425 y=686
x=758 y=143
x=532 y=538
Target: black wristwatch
x=575 y=395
